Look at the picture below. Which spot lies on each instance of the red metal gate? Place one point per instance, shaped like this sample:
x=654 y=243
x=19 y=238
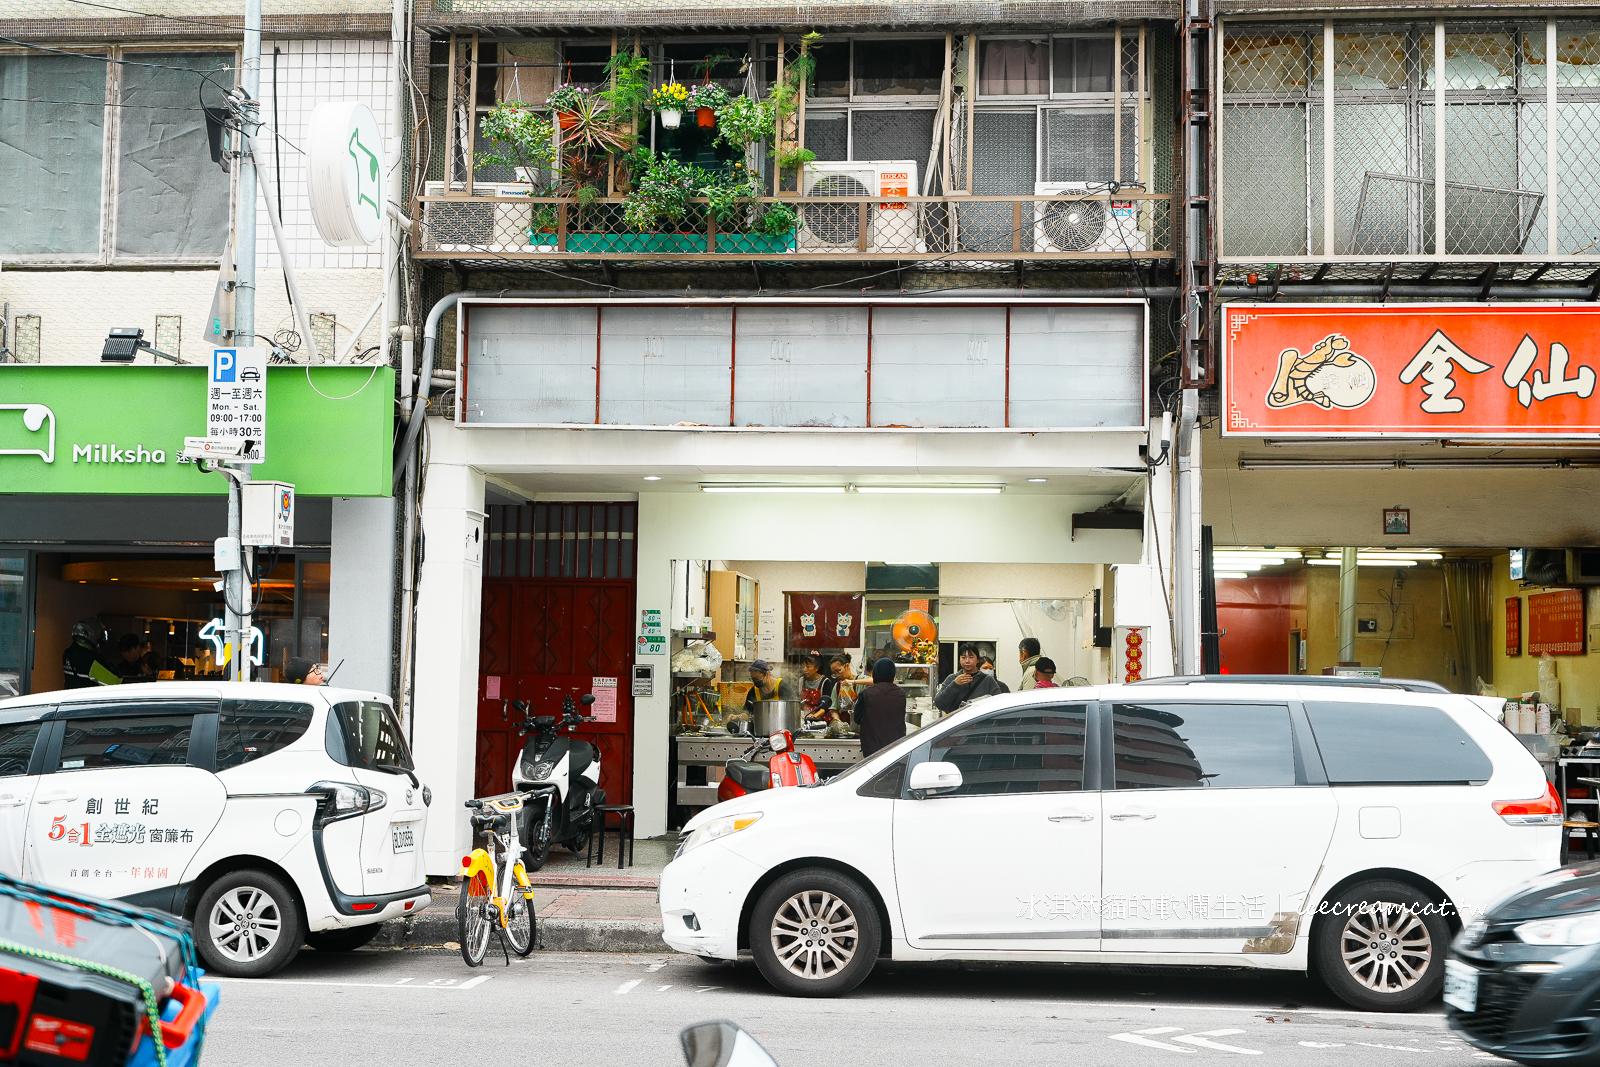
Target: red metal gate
x=558 y=605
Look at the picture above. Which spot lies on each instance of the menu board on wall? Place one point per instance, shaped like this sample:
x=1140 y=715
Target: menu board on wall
x=1513 y=626
x=1555 y=623
x=824 y=620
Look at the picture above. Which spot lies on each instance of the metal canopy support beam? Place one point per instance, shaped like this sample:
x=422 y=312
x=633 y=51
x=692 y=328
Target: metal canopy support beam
x=1196 y=244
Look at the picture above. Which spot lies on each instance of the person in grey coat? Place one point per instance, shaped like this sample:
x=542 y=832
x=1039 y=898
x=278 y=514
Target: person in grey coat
x=967 y=684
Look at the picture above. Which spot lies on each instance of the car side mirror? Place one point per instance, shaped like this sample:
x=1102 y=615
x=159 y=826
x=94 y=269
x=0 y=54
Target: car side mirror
x=928 y=779
x=722 y=1044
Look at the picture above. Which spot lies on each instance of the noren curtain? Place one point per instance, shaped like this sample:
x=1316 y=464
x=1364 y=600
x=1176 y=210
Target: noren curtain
x=1466 y=590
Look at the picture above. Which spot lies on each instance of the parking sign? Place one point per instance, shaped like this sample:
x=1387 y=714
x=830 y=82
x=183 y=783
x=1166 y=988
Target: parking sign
x=236 y=400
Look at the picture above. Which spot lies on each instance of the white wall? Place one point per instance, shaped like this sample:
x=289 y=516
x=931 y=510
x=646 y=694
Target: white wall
x=361 y=592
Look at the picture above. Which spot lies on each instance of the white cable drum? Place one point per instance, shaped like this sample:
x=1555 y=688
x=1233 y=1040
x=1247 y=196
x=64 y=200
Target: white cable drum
x=344 y=154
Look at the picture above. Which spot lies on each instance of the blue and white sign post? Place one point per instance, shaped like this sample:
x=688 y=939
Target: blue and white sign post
x=236 y=427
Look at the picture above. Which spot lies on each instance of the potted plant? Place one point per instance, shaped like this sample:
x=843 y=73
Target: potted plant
x=566 y=101
x=744 y=224
x=669 y=101
x=742 y=122
x=705 y=99
x=519 y=138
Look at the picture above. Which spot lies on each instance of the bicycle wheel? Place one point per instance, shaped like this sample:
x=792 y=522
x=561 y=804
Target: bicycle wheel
x=519 y=924
x=473 y=920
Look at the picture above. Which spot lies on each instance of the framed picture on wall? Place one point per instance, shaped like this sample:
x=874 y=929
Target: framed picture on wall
x=1396 y=520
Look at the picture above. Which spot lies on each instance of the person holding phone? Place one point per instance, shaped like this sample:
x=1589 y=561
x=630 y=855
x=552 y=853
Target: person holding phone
x=969 y=683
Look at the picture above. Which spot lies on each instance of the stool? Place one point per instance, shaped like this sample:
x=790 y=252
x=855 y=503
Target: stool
x=1588 y=829
x=624 y=831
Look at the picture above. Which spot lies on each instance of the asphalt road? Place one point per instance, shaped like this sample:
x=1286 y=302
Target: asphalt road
x=602 y=1010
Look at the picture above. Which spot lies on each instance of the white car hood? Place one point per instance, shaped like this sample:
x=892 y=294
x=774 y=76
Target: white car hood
x=763 y=801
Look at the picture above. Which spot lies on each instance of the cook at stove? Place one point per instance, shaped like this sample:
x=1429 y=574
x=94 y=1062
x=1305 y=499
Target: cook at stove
x=767 y=686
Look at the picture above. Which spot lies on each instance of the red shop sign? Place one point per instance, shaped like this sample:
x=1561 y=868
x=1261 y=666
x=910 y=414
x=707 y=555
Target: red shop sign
x=1555 y=623
x=1513 y=626
x=1434 y=370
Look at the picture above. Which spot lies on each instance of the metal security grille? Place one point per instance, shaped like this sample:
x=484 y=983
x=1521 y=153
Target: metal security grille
x=578 y=541
x=1004 y=162
x=903 y=133
x=1080 y=145
x=1379 y=183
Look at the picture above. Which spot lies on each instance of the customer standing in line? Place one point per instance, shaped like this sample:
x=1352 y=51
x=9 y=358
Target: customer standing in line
x=966 y=685
x=880 y=711
x=1028 y=654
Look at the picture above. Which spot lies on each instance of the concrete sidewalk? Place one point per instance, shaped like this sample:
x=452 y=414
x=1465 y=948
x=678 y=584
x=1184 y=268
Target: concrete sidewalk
x=580 y=909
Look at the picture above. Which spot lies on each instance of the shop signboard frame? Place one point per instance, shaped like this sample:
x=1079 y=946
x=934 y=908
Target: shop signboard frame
x=576 y=345
x=92 y=429
x=1431 y=371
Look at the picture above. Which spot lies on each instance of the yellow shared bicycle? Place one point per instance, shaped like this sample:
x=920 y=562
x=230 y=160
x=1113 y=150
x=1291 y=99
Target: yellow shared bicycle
x=495 y=894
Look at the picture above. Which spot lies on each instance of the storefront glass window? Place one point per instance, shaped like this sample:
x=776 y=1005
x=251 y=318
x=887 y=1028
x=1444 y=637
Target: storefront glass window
x=13 y=623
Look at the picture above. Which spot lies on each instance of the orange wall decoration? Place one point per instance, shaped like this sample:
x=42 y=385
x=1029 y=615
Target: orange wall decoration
x=1435 y=370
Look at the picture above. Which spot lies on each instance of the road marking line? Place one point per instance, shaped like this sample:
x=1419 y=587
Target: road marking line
x=664 y=988
x=627 y=987
x=1134 y=1038
x=1202 y=1037
x=471 y=982
x=1322 y=1044
x=657 y=966
x=1395 y=1048
x=403 y=981
x=708 y=988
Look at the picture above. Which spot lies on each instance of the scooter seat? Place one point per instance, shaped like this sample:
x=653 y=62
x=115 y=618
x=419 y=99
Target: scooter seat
x=748 y=775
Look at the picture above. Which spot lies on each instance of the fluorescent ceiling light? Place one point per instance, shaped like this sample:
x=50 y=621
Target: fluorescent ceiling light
x=925 y=563
x=1035 y=480
x=1386 y=554
x=652 y=477
x=1318 y=465
x=1365 y=561
x=1229 y=574
x=771 y=488
x=930 y=489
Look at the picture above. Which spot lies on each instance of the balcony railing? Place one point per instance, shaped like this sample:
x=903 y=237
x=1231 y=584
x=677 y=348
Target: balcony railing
x=957 y=229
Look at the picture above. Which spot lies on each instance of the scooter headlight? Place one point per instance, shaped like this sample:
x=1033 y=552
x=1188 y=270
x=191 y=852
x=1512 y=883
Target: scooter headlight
x=540 y=771
x=722 y=827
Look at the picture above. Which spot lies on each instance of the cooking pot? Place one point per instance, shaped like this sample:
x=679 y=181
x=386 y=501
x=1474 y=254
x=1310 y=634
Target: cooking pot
x=770 y=716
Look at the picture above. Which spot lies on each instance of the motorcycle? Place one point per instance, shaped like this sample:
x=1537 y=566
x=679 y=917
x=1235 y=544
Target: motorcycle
x=785 y=767
x=562 y=774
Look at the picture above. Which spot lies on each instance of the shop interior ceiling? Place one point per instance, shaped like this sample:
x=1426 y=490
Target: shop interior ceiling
x=624 y=483
x=1459 y=494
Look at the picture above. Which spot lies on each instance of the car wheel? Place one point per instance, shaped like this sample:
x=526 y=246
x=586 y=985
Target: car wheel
x=345 y=940
x=247 y=925
x=814 y=933
x=1381 y=946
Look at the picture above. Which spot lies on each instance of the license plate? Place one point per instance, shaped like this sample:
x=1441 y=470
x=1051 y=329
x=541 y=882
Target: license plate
x=405 y=837
x=1460 y=985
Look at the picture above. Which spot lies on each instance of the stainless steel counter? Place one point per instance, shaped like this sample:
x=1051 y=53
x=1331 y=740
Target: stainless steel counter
x=831 y=755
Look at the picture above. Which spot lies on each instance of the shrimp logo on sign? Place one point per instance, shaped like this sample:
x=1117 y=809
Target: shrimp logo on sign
x=35 y=417
x=1329 y=375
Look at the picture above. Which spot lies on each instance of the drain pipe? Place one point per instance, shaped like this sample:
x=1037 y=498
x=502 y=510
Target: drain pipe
x=1185 y=576
x=405 y=454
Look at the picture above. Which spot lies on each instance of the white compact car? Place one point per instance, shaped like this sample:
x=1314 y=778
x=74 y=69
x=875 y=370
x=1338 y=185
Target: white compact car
x=270 y=815
x=1339 y=828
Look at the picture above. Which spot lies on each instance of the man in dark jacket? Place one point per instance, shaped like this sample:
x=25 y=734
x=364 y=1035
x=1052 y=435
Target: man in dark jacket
x=880 y=710
x=967 y=684
x=81 y=665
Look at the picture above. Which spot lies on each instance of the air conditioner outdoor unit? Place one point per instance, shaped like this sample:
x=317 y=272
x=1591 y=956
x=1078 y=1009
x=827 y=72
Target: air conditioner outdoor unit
x=474 y=226
x=893 y=227
x=1094 y=225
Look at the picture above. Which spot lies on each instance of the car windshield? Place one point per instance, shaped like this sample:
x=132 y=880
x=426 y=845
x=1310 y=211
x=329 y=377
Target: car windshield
x=365 y=733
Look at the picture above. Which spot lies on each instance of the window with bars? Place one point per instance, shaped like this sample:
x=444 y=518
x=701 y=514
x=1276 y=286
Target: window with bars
x=1504 y=194
x=558 y=540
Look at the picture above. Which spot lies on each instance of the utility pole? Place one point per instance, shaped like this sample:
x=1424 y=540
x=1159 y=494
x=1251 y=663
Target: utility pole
x=237 y=585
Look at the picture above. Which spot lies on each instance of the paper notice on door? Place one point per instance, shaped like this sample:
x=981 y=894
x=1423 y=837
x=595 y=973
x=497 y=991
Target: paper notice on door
x=491 y=687
x=604 y=708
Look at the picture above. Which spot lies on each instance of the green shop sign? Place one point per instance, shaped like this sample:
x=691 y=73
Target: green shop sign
x=120 y=429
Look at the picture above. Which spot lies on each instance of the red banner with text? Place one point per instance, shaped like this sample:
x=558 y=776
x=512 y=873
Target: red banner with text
x=1417 y=370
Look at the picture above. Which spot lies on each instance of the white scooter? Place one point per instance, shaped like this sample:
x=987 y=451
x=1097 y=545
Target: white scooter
x=562 y=776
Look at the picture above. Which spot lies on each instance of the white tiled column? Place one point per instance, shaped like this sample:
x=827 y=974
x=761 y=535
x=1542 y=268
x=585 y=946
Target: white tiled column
x=445 y=701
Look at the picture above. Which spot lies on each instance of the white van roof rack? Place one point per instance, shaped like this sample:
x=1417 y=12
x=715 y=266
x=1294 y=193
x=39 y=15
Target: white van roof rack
x=1409 y=685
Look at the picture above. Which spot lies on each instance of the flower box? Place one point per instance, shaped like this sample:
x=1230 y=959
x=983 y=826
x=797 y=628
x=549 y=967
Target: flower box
x=678 y=243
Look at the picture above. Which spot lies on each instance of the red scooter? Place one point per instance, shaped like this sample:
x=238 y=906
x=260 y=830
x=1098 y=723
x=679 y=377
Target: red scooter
x=785 y=767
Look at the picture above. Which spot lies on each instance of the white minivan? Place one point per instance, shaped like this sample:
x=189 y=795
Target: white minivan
x=1340 y=828
x=271 y=816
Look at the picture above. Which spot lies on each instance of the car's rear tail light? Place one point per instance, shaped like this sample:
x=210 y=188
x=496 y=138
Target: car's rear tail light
x=1542 y=811
x=363 y=907
x=410 y=904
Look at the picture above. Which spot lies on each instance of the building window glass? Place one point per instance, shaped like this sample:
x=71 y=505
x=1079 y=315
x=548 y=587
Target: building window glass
x=13 y=624
x=52 y=124
x=1013 y=68
x=898 y=68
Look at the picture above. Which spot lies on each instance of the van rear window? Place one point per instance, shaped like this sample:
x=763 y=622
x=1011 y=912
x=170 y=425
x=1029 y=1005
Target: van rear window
x=1394 y=744
x=365 y=733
